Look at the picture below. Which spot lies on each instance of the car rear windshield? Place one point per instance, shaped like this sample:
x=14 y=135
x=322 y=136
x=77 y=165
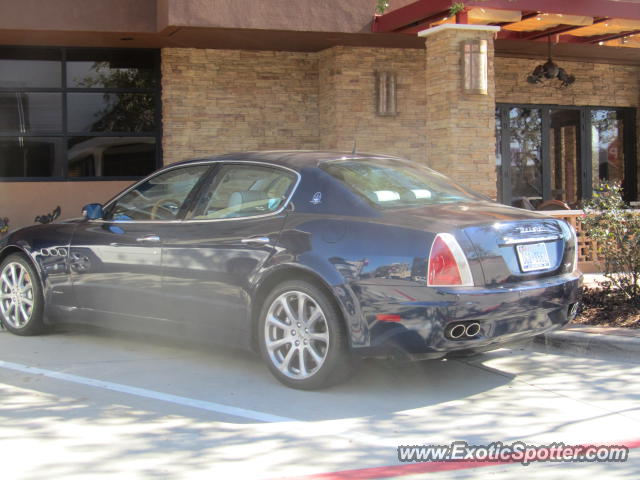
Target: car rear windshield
x=389 y=183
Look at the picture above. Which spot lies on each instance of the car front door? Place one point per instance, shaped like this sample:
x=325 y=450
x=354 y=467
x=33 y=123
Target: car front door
x=116 y=262
x=227 y=237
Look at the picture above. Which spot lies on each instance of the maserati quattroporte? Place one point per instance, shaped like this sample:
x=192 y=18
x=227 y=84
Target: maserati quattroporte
x=310 y=258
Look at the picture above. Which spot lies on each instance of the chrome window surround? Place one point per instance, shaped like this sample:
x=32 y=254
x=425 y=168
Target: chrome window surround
x=203 y=162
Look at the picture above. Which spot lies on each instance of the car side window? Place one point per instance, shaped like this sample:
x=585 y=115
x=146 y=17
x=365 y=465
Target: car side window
x=159 y=198
x=244 y=191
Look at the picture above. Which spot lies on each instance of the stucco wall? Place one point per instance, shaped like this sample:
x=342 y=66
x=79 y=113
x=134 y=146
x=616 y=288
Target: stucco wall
x=23 y=201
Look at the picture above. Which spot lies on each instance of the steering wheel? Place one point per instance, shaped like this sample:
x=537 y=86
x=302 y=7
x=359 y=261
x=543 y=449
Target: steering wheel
x=167 y=205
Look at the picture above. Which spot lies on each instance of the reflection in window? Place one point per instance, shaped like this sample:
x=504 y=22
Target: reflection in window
x=23 y=112
x=607 y=146
x=395 y=184
x=109 y=69
x=107 y=92
x=564 y=148
x=526 y=156
x=111 y=112
x=111 y=156
x=159 y=198
x=244 y=191
x=29 y=156
x=21 y=68
x=576 y=162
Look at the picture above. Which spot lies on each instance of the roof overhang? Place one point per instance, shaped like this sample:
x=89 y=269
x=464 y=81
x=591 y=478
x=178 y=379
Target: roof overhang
x=613 y=23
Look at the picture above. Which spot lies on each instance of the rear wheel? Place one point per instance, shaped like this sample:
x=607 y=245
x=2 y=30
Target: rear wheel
x=302 y=337
x=21 y=300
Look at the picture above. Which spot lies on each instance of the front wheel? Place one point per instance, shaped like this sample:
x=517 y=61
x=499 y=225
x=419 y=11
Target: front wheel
x=302 y=337
x=21 y=300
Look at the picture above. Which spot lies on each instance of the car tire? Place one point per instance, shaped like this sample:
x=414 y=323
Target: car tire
x=21 y=299
x=305 y=347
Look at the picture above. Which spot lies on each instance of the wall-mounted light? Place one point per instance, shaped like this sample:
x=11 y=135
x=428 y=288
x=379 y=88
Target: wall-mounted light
x=475 y=67
x=386 y=94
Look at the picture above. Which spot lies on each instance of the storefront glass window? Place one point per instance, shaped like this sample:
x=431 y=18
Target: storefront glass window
x=111 y=156
x=30 y=68
x=558 y=155
x=30 y=157
x=78 y=113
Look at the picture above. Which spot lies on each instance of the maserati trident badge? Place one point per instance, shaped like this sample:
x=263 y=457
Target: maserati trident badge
x=317 y=198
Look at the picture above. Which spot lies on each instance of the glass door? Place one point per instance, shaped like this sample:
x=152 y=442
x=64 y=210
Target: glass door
x=551 y=157
x=607 y=146
x=566 y=158
x=525 y=155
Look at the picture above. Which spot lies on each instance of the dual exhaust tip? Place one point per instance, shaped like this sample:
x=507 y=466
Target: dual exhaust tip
x=470 y=330
x=463 y=330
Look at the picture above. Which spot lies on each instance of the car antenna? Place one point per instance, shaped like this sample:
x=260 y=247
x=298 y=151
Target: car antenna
x=353 y=152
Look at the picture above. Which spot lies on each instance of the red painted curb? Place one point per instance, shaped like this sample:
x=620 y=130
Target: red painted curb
x=423 y=467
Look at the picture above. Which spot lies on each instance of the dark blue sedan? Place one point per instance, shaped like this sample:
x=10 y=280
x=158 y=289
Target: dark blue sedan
x=310 y=258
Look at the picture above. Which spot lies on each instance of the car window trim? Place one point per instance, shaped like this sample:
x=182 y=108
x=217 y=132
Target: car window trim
x=213 y=163
x=108 y=206
x=191 y=201
x=225 y=163
x=211 y=178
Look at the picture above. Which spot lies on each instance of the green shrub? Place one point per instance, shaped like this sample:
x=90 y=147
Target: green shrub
x=381 y=6
x=616 y=229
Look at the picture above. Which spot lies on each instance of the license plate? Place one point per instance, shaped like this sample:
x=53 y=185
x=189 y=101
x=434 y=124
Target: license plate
x=533 y=257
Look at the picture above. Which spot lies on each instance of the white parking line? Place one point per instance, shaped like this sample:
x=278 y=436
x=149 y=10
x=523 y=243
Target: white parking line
x=143 y=392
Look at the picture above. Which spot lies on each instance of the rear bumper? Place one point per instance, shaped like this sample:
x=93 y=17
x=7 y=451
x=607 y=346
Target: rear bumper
x=509 y=314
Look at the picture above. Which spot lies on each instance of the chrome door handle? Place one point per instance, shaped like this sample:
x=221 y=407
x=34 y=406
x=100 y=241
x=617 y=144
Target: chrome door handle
x=256 y=240
x=148 y=238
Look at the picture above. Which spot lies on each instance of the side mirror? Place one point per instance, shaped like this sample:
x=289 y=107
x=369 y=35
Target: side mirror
x=93 y=211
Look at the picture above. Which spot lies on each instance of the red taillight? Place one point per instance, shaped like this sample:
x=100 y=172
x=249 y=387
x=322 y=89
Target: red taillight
x=448 y=265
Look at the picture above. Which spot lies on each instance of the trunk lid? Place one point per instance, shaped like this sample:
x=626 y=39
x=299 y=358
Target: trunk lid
x=512 y=251
x=509 y=244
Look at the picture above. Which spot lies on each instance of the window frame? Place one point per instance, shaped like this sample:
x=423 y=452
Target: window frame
x=207 y=179
x=184 y=207
x=213 y=182
x=66 y=135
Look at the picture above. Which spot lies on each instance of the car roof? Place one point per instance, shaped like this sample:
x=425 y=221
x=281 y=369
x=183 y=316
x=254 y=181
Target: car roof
x=294 y=159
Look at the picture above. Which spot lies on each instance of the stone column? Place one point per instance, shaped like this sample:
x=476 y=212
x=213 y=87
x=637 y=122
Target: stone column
x=460 y=127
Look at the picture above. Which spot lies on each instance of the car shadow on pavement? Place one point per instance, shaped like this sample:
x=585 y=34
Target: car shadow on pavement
x=239 y=378
x=505 y=395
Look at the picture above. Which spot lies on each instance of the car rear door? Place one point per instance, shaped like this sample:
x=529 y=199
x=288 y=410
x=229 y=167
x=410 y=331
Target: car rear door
x=232 y=230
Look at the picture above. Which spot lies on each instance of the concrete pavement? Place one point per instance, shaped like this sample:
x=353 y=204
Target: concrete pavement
x=61 y=426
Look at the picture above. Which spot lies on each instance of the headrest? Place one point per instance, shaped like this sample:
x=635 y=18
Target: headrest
x=246 y=196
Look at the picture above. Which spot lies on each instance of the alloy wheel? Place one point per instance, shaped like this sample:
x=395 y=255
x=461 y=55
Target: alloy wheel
x=16 y=295
x=296 y=335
